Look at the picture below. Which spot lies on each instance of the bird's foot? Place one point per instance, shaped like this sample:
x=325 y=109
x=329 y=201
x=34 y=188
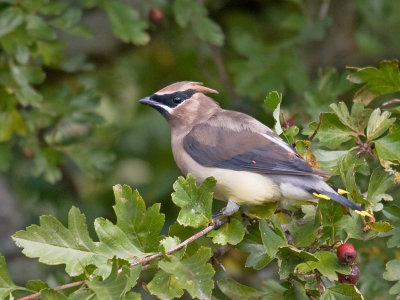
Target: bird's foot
x=220 y=217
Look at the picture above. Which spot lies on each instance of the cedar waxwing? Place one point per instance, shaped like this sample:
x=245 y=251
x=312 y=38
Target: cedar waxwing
x=251 y=163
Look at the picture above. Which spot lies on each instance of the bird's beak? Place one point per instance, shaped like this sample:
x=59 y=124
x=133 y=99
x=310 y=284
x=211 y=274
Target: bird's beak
x=145 y=100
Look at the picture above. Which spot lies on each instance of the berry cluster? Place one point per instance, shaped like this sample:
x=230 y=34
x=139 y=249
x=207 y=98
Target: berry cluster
x=347 y=255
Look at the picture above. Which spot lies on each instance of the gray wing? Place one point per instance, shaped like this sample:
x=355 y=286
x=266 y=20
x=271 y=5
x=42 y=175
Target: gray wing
x=244 y=150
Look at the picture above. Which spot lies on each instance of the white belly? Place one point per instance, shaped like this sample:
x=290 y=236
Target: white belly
x=240 y=186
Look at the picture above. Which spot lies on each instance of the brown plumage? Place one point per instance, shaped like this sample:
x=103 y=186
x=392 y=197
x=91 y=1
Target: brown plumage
x=251 y=164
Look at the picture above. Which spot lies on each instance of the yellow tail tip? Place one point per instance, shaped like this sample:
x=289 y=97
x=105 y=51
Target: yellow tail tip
x=342 y=192
x=364 y=213
x=322 y=196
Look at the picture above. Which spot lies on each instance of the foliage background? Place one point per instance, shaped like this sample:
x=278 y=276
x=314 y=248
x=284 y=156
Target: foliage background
x=71 y=73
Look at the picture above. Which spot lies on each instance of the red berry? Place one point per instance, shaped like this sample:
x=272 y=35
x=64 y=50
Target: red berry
x=352 y=278
x=156 y=15
x=288 y=123
x=346 y=253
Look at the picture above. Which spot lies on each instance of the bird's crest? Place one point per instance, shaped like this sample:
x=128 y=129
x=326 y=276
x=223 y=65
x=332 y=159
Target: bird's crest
x=182 y=86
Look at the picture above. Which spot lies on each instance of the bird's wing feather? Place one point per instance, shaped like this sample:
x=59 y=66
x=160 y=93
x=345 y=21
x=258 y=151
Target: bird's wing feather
x=244 y=150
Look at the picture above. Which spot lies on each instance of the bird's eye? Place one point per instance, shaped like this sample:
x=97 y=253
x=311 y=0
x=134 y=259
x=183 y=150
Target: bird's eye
x=177 y=100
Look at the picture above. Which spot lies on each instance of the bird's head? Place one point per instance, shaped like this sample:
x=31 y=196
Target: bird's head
x=182 y=101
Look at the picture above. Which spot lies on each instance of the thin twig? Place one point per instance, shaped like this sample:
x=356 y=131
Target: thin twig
x=316 y=129
x=146 y=259
x=178 y=247
x=57 y=288
x=390 y=102
x=223 y=74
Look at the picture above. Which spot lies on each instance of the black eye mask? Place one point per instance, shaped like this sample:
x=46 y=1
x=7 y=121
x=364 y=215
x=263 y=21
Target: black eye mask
x=174 y=99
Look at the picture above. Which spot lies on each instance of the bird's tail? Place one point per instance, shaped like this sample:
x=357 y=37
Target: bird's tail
x=335 y=196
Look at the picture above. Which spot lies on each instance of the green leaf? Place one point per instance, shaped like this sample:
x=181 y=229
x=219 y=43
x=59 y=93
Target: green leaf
x=141 y=225
x=261 y=211
x=304 y=234
x=328 y=160
x=49 y=294
x=117 y=284
x=273 y=101
x=342 y=292
x=193 y=274
x=380 y=226
x=353 y=226
x=184 y=10
x=332 y=133
x=231 y=232
x=290 y=257
x=54 y=244
x=126 y=22
x=378 y=123
x=195 y=202
x=115 y=242
x=10 y=18
x=6 y=284
x=26 y=94
x=271 y=238
x=252 y=243
x=379 y=183
x=296 y=291
x=38 y=28
x=208 y=31
x=388 y=147
x=237 y=291
x=51 y=52
x=327 y=264
x=393 y=274
x=165 y=286
x=382 y=80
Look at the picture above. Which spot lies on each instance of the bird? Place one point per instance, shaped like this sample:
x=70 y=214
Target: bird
x=252 y=165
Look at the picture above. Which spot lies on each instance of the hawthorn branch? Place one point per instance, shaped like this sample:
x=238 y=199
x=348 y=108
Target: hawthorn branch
x=138 y=262
x=57 y=288
x=316 y=129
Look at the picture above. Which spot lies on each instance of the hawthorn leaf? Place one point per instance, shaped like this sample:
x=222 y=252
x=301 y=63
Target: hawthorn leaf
x=208 y=31
x=125 y=22
x=117 y=284
x=380 y=226
x=252 y=243
x=289 y=257
x=295 y=291
x=50 y=294
x=392 y=273
x=328 y=160
x=353 y=225
x=231 y=232
x=141 y=225
x=380 y=181
x=327 y=264
x=39 y=28
x=271 y=238
x=332 y=133
x=342 y=292
x=382 y=80
x=165 y=286
x=193 y=273
x=378 y=123
x=342 y=112
x=195 y=202
x=273 y=101
x=115 y=242
x=237 y=291
x=261 y=211
x=6 y=284
x=55 y=244
x=388 y=147
x=10 y=18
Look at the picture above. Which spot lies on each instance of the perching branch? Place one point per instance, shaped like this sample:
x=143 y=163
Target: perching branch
x=138 y=262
